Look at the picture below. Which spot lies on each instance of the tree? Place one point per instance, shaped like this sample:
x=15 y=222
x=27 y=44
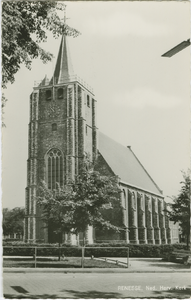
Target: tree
x=180 y=208
x=75 y=206
x=13 y=220
x=24 y=25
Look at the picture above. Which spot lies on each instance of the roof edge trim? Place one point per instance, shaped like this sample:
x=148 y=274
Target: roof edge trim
x=138 y=188
x=145 y=171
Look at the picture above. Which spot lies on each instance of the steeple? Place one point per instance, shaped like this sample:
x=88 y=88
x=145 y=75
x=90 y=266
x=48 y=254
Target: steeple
x=64 y=70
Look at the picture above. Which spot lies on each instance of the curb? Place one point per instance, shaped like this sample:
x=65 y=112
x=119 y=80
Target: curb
x=87 y=270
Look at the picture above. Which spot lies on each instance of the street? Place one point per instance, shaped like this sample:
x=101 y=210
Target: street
x=94 y=285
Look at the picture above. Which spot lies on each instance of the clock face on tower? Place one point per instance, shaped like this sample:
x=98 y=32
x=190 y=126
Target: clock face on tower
x=53 y=110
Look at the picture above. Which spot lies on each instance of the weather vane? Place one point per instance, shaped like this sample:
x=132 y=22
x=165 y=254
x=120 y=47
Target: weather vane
x=67 y=30
x=65 y=15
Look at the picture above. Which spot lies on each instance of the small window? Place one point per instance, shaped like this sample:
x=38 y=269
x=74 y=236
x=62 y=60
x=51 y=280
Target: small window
x=12 y=235
x=86 y=129
x=54 y=127
x=60 y=94
x=88 y=100
x=48 y=95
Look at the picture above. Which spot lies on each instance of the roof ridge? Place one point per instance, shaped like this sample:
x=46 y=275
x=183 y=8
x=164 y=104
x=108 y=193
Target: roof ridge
x=126 y=165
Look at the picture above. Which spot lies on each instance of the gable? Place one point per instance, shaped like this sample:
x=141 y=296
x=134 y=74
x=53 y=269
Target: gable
x=123 y=162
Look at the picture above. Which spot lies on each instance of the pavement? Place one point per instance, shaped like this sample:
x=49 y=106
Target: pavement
x=145 y=278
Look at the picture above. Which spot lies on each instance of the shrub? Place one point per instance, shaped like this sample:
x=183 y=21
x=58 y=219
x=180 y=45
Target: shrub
x=26 y=249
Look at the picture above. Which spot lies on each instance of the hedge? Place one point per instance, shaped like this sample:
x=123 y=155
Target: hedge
x=24 y=249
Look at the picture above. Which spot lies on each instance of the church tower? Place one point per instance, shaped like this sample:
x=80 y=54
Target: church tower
x=62 y=130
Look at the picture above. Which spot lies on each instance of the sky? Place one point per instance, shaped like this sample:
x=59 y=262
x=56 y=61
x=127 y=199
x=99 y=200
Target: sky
x=143 y=99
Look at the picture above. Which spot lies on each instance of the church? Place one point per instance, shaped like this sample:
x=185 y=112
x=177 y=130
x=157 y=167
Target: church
x=62 y=129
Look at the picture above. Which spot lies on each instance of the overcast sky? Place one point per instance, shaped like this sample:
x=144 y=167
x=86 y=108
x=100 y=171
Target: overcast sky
x=143 y=99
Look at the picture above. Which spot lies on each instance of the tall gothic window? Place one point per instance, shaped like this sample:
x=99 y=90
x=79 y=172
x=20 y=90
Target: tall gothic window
x=141 y=202
x=133 y=200
x=149 y=204
x=54 y=168
x=123 y=199
x=88 y=100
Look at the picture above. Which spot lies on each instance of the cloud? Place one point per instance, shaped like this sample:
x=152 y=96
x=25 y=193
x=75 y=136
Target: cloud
x=145 y=97
x=124 y=23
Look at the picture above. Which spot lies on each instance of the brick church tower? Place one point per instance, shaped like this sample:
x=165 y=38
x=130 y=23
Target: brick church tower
x=62 y=129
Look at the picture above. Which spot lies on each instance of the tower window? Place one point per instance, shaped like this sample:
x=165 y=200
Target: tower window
x=48 y=95
x=60 y=94
x=54 y=168
x=54 y=127
x=88 y=100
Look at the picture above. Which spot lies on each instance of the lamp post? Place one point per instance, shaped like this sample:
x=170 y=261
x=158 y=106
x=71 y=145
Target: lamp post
x=170 y=53
x=177 y=48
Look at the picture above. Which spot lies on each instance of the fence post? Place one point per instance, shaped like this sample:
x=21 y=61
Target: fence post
x=128 y=257
x=83 y=249
x=35 y=257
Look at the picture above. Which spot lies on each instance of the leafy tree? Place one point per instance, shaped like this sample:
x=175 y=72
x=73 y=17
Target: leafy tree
x=24 y=25
x=179 y=210
x=13 y=220
x=73 y=207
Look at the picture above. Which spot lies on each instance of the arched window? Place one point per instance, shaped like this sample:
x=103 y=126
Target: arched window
x=156 y=205
x=88 y=100
x=141 y=202
x=60 y=93
x=48 y=95
x=133 y=200
x=54 y=168
x=149 y=204
x=161 y=207
x=123 y=195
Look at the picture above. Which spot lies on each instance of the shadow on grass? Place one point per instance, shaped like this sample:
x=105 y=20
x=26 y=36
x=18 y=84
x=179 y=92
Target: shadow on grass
x=43 y=296
x=71 y=294
x=171 y=265
x=174 y=293
x=93 y=295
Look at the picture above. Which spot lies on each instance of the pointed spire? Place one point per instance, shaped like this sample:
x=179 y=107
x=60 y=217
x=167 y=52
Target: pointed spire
x=64 y=69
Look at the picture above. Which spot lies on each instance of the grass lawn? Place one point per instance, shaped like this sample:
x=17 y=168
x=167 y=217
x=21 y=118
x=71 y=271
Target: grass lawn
x=50 y=262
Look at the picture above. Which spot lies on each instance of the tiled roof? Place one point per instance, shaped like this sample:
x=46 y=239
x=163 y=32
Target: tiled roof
x=126 y=165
